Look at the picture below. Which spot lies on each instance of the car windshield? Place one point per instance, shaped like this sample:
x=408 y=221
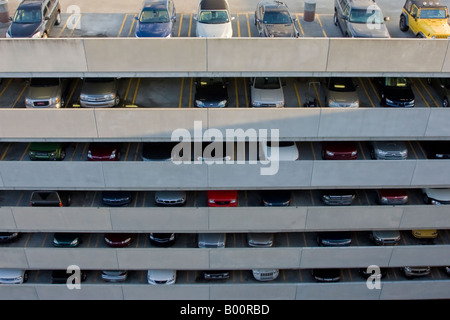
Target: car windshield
x=433 y=14
x=44 y=82
x=396 y=82
x=277 y=17
x=214 y=17
x=154 y=16
x=28 y=16
x=341 y=84
x=267 y=83
x=211 y=82
x=366 y=16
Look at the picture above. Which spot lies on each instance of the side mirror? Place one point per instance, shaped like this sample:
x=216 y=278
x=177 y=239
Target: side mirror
x=232 y=18
x=137 y=17
x=47 y=18
x=10 y=18
x=195 y=17
x=387 y=18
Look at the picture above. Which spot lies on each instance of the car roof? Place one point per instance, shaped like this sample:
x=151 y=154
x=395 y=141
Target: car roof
x=273 y=5
x=213 y=4
x=427 y=4
x=362 y=3
x=31 y=3
x=156 y=4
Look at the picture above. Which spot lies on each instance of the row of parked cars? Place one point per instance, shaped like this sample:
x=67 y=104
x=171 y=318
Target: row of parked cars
x=355 y=18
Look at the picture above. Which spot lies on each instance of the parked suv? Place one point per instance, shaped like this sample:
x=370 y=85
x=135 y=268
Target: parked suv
x=34 y=19
x=388 y=150
x=45 y=93
x=266 y=92
x=425 y=19
x=47 y=151
x=274 y=19
x=385 y=237
x=360 y=18
x=99 y=92
x=265 y=274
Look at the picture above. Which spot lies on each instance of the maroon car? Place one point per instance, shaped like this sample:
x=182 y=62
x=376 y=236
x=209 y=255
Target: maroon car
x=339 y=150
x=118 y=240
x=392 y=196
x=104 y=151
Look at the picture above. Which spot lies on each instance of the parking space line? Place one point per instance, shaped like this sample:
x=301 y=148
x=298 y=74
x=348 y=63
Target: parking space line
x=428 y=92
x=72 y=92
x=27 y=240
x=65 y=26
x=25 y=151
x=44 y=240
x=6 y=151
x=361 y=150
x=126 y=152
x=298 y=95
x=20 y=95
x=137 y=151
x=136 y=90
x=191 y=85
x=374 y=89
x=317 y=95
x=313 y=152
x=181 y=23
x=132 y=25
x=299 y=24
x=76 y=24
x=248 y=26
x=244 y=80
x=420 y=93
x=6 y=87
x=190 y=25
x=238 y=25
x=236 y=92
x=413 y=150
x=366 y=92
x=123 y=24
x=181 y=92
x=128 y=89
x=323 y=30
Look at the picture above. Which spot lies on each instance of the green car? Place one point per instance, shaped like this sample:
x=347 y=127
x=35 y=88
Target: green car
x=47 y=151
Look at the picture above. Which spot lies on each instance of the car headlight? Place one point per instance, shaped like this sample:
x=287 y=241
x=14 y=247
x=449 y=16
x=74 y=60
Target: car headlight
x=84 y=96
x=199 y=103
x=233 y=201
x=389 y=100
x=211 y=200
x=113 y=155
x=74 y=242
x=279 y=104
x=109 y=96
x=354 y=153
x=256 y=104
x=8 y=34
x=354 y=104
x=37 y=35
x=89 y=155
x=439 y=155
x=28 y=102
x=54 y=100
x=222 y=103
x=333 y=104
x=433 y=201
x=330 y=153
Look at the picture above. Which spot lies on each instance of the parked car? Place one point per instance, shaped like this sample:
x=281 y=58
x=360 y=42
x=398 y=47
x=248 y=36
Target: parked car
x=338 y=197
x=436 y=149
x=395 y=92
x=99 y=93
x=61 y=276
x=170 y=198
x=266 y=92
x=34 y=19
x=156 y=19
x=211 y=92
x=326 y=275
x=392 y=196
x=442 y=88
x=47 y=151
x=388 y=150
x=425 y=19
x=385 y=237
x=162 y=239
x=334 y=238
x=158 y=151
x=260 y=239
x=161 y=276
x=13 y=276
x=118 y=240
x=276 y=198
x=285 y=151
x=104 y=151
x=116 y=198
x=339 y=150
x=114 y=275
x=46 y=93
x=48 y=198
x=340 y=92
x=211 y=240
x=427 y=234
x=215 y=274
x=265 y=274
x=436 y=195
x=66 y=239
x=7 y=237
x=213 y=19
x=412 y=272
x=274 y=19
x=222 y=198
x=360 y=19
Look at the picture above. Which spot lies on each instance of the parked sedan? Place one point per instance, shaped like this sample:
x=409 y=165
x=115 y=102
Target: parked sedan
x=392 y=196
x=276 y=198
x=442 y=88
x=116 y=198
x=13 y=276
x=118 y=240
x=278 y=151
x=412 y=272
x=213 y=19
x=114 y=275
x=162 y=239
x=339 y=150
x=212 y=240
x=104 y=151
x=338 y=197
x=274 y=19
x=334 y=238
x=436 y=195
x=170 y=198
x=222 y=198
x=326 y=275
x=211 y=92
x=156 y=19
x=158 y=151
x=388 y=150
x=260 y=239
x=436 y=149
x=395 y=92
x=161 y=276
x=341 y=92
x=47 y=151
x=7 y=237
x=66 y=239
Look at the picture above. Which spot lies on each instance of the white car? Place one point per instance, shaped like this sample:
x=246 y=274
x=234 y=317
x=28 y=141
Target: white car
x=161 y=276
x=287 y=151
x=265 y=274
x=12 y=276
x=436 y=195
x=267 y=92
x=213 y=19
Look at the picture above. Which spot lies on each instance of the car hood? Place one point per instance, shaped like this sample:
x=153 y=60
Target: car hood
x=211 y=93
x=362 y=31
x=398 y=93
x=170 y=195
x=435 y=27
x=387 y=233
x=267 y=95
x=343 y=97
x=23 y=30
x=103 y=149
x=260 y=237
x=438 y=193
x=279 y=30
x=284 y=153
x=45 y=146
x=222 y=30
x=43 y=92
x=341 y=146
x=162 y=29
x=11 y=273
x=161 y=275
x=391 y=146
x=224 y=195
x=98 y=88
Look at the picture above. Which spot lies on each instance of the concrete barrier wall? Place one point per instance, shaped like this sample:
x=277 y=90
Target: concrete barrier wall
x=240 y=219
x=130 y=56
x=154 y=124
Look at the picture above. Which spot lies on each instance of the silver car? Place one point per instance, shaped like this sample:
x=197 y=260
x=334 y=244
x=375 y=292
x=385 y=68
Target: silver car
x=213 y=19
x=161 y=277
x=341 y=93
x=267 y=92
x=170 y=198
x=211 y=240
x=45 y=93
x=265 y=274
x=385 y=237
x=99 y=93
x=12 y=276
x=260 y=239
x=411 y=272
x=388 y=150
x=114 y=275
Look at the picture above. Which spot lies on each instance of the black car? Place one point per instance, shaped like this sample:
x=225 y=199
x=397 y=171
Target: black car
x=273 y=19
x=34 y=19
x=157 y=151
x=61 y=276
x=66 y=239
x=211 y=92
x=395 y=92
x=437 y=149
x=334 y=238
x=7 y=237
x=162 y=239
x=338 y=197
x=326 y=275
x=215 y=274
x=116 y=198
x=276 y=198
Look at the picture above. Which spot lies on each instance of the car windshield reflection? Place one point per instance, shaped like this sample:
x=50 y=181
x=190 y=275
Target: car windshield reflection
x=214 y=17
x=28 y=16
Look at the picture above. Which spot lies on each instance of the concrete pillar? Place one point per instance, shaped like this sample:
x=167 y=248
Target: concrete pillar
x=4 y=12
x=310 y=10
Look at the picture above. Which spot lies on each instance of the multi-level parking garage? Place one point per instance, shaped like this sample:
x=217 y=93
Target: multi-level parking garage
x=156 y=86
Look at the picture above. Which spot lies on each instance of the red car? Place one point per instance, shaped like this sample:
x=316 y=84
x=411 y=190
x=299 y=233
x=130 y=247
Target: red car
x=392 y=196
x=118 y=240
x=222 y=198
x=104 y=151
x=339 y=150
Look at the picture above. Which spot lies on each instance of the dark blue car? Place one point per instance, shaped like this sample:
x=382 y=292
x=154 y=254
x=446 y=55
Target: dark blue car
x=34 y=19
x=156 y=19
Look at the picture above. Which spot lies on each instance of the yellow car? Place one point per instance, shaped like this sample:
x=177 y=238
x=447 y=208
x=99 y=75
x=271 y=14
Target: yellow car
x=425 y=233
x=426 y=19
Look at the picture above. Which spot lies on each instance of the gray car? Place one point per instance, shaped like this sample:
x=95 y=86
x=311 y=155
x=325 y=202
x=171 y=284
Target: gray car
x=385 y=237
x=341 y=93
x=99 y=92
x=170 y=198
x=442 y=87
x=211 y=240
x=267 y=92
x=360 y=19
x=273 y=19
x=45 y=93
x=260 y=239
x=388 y=150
